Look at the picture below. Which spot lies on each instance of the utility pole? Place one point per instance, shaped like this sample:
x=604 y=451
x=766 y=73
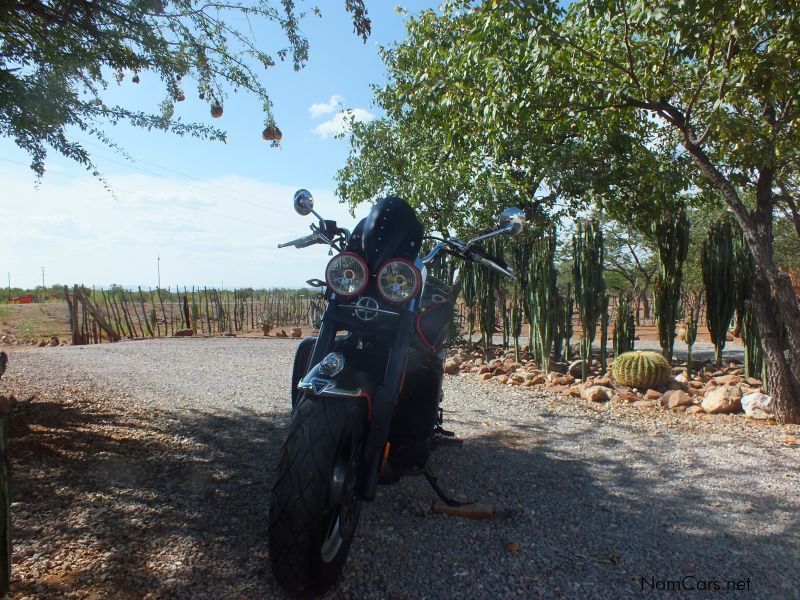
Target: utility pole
x=44 y=293
x=159 y=271
x=9 y=287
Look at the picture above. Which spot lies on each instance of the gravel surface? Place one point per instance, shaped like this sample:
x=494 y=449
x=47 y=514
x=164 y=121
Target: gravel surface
x=143 y=469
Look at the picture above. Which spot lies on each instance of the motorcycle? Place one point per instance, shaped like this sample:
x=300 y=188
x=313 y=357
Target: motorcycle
x=365 y=404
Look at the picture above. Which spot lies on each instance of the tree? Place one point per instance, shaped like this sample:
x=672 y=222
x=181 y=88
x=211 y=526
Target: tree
x=650 y=99
x=58 y=57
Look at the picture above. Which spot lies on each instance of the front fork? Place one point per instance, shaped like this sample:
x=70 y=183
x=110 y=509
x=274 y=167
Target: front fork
x=385 y=398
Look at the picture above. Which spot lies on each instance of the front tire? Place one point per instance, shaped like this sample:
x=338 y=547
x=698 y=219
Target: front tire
x=315 y=504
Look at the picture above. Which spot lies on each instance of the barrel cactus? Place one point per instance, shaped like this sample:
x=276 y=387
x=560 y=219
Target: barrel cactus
x=641 y=369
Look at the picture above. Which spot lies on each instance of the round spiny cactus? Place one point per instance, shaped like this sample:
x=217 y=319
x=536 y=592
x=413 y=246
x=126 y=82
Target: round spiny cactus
x=641 y=369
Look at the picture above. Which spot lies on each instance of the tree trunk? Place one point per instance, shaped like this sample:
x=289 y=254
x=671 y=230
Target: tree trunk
x=773 y=295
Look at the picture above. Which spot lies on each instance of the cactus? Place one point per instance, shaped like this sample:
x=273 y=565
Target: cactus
x=516 y=322
x=753 y=350
x=563 y=324
x=543 y=297
x=641 y=369
x=692 y=317
x=566 y=319
x=587 y=275
x=486 y=285
x=624 y=327
x=671 y=234
x=719 y=277
x=604 y=335
x=469 y=295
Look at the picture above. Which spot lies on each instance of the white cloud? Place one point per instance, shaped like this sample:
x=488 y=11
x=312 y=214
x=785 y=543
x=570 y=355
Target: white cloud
x=320 y=109
x=340 y=122
x=218 y=229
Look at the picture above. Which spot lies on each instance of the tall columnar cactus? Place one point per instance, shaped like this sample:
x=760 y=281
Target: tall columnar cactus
x=691 y=313
x=743 y=268
x=566 y=319
x=516 y=322
x=753 y=350
x=521 y=260
x=587 y=276
x=719 y=277
x=543 y=297
x=469 y=294
x=671 y=234
x=563 y=324
x=486 y=286
x=604 y=335
x=624 y=326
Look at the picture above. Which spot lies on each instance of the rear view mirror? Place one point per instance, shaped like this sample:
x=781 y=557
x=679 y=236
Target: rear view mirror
x=303 y=202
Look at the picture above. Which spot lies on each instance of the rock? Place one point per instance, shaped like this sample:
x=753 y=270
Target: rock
x=485 y=376
x=604 y=381
x=679 y=409
x=42 y=343
x=184 y=333
x=681 y=378
x=574 y=369
x=752 y=381
x=758 y=406
x=627 y=396
x=697 y=385
x=728 y=380
x=483 y=370
x=675 y=398
x=536 y=379
x=53 y=341
x=645 y=403
x=559 y=379
x=723 y=399
x=451 y=367
x=297 y=332
x=652 y=394
x=517 y=379
x=502 y=378
x=555 y=389
x=695 y=409
x=595 y=393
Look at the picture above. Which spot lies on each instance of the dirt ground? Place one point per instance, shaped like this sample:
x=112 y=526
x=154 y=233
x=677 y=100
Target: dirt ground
x=33 y=323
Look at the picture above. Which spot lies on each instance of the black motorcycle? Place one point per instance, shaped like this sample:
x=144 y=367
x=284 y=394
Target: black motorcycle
x=366 y=391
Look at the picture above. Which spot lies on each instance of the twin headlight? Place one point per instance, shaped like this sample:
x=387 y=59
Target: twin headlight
x=398 y=279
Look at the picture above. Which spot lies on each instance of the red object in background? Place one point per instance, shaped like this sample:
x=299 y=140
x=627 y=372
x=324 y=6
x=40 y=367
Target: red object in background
x=22 y=299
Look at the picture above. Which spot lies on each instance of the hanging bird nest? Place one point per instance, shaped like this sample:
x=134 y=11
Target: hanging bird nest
x=272 y=134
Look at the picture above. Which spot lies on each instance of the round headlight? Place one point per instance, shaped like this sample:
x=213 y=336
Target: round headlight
x=346 y=274
x=398 y=280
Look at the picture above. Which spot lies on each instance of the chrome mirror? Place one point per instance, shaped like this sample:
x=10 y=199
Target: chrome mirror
x=513 y=220
x=303 y=202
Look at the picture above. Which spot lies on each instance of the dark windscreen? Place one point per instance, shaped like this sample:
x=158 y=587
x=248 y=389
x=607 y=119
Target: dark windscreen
x=391 y=230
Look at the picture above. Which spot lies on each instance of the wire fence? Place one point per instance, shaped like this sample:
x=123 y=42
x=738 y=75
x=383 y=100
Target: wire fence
x=99 y=315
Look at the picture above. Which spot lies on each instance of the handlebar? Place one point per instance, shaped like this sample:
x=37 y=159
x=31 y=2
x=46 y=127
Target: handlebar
x=303 y=242
x=471 y=252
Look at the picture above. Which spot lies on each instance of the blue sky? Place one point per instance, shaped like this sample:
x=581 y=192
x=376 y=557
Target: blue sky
x=213 y=212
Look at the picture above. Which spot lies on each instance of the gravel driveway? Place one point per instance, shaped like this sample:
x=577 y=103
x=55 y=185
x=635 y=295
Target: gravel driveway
x=143 y=469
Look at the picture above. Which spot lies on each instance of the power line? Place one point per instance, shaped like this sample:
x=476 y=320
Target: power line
x=194 y=208
x=204 y=187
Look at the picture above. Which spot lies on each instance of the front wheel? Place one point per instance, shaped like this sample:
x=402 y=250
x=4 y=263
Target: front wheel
x=315 y=504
